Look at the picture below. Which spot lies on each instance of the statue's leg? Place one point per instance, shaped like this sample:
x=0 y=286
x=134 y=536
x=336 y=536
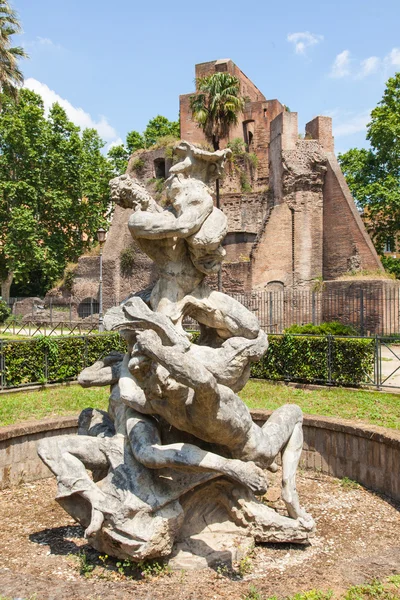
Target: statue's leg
x=284 y=433
x=148 y=450
x=68 y=457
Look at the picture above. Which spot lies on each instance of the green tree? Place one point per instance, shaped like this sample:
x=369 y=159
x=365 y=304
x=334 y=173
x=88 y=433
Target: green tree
x=118 y=157
x=216 y=105
x=160 y=127
x=10 y=74
x=134 y=141
x=53 y=190
x=156 y=128
x=373 y=175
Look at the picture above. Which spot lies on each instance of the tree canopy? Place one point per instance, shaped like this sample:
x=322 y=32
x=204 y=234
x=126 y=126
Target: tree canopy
x=10 y=74
x=217 y=105
x=373 y=175
x=157 y=128
x=53 y=190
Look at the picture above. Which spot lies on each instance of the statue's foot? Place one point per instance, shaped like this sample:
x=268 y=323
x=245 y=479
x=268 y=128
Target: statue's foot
x=295 y=510
x=95 y=524
x=273 y=467
x=249 y=475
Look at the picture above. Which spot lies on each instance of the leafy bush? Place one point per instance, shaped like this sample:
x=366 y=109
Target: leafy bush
x=391 y=265
x=332 y=328
x=4 y=311
x=322 y=359
x=45 y=359
x=138 y=164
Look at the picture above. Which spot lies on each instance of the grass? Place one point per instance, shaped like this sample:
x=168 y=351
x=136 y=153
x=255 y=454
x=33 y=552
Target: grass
x=51 y=402
x=375 y=408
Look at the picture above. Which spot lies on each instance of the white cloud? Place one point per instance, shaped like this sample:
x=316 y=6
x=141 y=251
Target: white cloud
x=118 y=142
x=348 y=123
x=393 y=58
x=341 y=65
x=304 y=39
x=42 y=43
x=369 y=66
x=77 y=115
x=344 y=66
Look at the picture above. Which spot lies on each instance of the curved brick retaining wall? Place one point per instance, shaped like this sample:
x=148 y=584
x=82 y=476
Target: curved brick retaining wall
x=365 y=453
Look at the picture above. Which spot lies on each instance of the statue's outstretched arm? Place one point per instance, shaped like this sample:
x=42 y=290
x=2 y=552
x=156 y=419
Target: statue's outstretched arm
x=147 y=448
x=165 y=224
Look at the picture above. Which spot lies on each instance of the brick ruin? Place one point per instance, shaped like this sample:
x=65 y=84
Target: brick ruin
x=297 y=226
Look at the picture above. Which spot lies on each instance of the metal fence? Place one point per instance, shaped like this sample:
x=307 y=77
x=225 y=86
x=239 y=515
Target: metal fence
x=369 y=310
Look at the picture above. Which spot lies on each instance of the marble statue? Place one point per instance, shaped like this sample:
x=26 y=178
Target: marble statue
x=177 y=462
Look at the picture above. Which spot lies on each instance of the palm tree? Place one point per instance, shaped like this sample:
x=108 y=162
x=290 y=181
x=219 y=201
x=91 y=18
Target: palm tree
x=10 y=74
x=217 y=105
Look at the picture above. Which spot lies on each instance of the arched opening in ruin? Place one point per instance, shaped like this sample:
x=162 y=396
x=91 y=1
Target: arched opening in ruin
x=88 y=307
x=159 y=168
x=275 y=286
x=248 y=135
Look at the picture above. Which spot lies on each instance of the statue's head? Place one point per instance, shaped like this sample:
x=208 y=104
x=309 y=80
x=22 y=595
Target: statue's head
x=198 y=163
x=128 y=192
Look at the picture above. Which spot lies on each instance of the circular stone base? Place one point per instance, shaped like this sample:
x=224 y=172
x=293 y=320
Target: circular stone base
x=356 y=540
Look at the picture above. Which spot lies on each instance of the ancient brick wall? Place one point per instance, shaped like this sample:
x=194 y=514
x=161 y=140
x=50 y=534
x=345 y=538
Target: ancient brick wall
x=347 y=245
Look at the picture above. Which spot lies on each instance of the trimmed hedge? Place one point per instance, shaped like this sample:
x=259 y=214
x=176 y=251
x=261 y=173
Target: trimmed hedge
x=321 y=359
x=50 y=359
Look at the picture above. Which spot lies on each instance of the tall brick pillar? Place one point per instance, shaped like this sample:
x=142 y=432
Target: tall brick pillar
x=284 y=134
x=320 y=129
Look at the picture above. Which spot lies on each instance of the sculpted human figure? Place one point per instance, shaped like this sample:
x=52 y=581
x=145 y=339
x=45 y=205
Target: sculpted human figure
x=184 y=240
x=174 y=421
x=187 y=395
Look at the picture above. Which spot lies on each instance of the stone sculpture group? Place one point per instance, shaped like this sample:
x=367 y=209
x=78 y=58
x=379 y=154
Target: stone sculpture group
x=177 y=461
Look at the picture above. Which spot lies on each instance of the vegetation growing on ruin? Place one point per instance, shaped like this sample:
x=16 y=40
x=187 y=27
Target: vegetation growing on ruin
x=242 y=163
x=216 y=105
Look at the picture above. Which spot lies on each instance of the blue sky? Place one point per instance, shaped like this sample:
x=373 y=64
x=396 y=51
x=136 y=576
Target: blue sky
x=118 y=64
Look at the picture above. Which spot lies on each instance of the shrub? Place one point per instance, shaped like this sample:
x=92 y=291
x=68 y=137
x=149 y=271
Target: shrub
x=138 y=164
x=45 y=359
x=332 y=328
x=322 y=359
x=4 y=311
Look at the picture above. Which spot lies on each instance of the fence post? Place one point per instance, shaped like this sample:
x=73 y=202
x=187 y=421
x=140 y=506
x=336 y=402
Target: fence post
x=313 y=307
x=2 y=364
x=270 y=312
x=70 y=313
x=85 y=353
x=378 y=362
x=51 y=312
x=46 y=363
x=362 y=312
x=329 y=357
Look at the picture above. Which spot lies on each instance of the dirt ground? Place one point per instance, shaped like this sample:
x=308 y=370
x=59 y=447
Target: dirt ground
x=43 y=553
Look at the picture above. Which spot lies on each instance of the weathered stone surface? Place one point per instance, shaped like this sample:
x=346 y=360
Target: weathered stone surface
x=178 y=448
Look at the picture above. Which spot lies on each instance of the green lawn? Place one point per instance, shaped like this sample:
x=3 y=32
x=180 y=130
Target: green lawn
x=377 y=408
x=370 y=407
